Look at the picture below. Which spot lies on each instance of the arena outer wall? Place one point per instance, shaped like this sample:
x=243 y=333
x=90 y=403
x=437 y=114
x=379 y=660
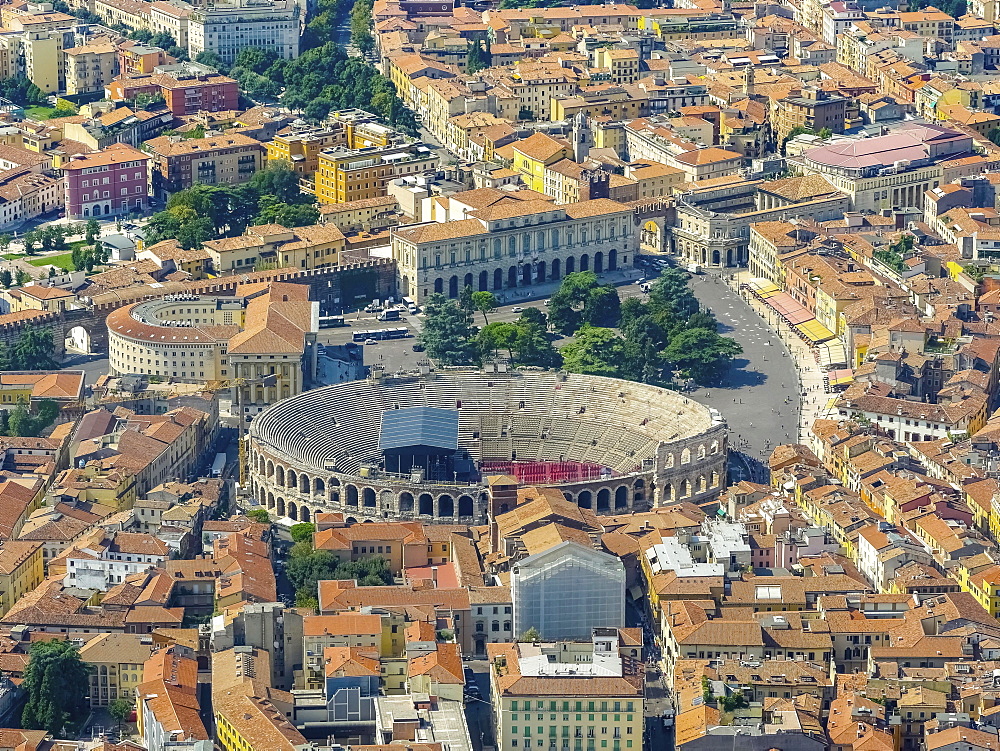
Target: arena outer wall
x=684 y=444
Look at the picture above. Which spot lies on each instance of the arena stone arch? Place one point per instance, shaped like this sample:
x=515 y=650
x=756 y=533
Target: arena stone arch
x=466 y=506
x=603 y=500
x=621 y=497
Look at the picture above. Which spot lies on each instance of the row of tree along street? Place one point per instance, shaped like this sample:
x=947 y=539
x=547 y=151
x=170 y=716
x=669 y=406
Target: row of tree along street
x=659 y=341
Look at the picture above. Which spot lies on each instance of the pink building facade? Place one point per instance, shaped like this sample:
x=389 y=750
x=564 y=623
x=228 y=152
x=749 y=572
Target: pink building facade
x=112 y=182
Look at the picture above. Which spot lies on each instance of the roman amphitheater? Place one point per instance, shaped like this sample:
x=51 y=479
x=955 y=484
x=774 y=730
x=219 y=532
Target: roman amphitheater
x=423 y=446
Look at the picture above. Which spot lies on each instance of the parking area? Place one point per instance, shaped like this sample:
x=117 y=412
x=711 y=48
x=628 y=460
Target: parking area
x=391 y=354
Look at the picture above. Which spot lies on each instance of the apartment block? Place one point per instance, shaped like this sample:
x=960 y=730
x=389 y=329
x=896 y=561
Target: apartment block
x=90 y=68
x=573 y=696
x=179 y=163
x=111 y=182
x=188 y=88
x=344 y=175
x=225 y=28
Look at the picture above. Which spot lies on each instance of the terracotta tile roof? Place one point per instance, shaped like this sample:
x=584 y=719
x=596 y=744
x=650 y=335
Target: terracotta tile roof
x=342 y=624
x=350 y=661
x=114 y=154
x=443 y=665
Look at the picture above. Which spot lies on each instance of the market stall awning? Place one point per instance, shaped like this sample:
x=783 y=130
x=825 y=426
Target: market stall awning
x=842 y=377
x=762 y=287
x=786 y=306
x=814 y=331
x=832 y=354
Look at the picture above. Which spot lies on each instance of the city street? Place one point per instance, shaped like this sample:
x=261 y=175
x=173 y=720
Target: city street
x=760 y=397
x=93 y=366
x=478 y=712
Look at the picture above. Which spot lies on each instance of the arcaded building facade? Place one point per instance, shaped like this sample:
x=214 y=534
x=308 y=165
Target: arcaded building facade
x=606 y=444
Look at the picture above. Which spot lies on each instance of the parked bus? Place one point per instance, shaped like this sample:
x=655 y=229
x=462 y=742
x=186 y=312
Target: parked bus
x=219 y=465
x=359 y=336
x=329 y=322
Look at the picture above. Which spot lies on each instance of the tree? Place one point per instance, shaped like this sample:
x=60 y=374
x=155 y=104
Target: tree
x=21 y=423
x=465 y=300
x=259 y=515
x=303 y=532
x=55 y=683
x=701 y=354
x=448 y=332
x=580 y=299
x=594 y=351
x=18 y=422
x=318 y=109
x=361 y=23
x=496 y=336
x=29 y=239
x=479 y=57
x=210 y=59
x=6 y=278
x=733 y=701
x=287 y=215
x=307 y=601
x=92 y=231
x=306 y=571
x=602 y=307
x=120 y=710
x=21 y=91
x=533 y=347
x=671 y=294
x=33 y=350
x=279 y=180
x=534 y=317
x=484 y=302
x=531 y=635
x=5 y=241
x=21 y=278
x=562 y=314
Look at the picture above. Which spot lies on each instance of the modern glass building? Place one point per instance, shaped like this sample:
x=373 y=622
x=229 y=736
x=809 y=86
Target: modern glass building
x=567 y=591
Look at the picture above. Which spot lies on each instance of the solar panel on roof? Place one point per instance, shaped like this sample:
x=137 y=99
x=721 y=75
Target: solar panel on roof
x=419 y=426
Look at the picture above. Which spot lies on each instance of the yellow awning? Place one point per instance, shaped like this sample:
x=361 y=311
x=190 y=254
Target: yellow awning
x=762 y=287
x=832 y=354
x=814 y=331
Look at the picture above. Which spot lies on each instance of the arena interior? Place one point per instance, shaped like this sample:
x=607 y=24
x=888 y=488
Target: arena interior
x=422 y=446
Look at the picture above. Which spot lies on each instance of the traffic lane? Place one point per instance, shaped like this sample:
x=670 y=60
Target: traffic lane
x=93 y=366
x=759 y=396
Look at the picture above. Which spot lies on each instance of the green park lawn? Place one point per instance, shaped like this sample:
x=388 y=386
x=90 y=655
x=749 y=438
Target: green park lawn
x=39 y=112
x=62 y=260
